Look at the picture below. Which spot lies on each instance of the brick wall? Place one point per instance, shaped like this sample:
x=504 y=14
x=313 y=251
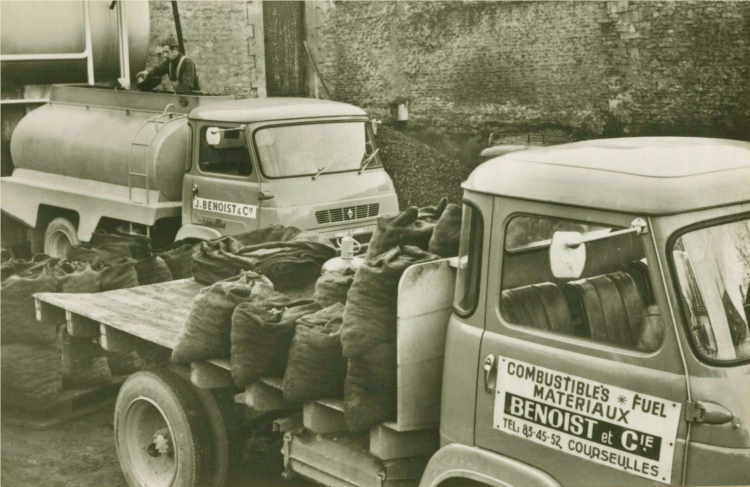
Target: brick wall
x=588 y=68
x=224 y=38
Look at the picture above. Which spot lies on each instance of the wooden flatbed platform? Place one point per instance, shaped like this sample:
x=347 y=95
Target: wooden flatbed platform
x=155 y=313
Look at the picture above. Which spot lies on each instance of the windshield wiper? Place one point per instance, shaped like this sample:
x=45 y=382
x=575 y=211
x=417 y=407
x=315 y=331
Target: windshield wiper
x=320 y=171
x=368 y=160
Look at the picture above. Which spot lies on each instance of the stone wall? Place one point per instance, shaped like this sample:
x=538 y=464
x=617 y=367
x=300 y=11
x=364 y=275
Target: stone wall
x=590 y=69
x=224 y=38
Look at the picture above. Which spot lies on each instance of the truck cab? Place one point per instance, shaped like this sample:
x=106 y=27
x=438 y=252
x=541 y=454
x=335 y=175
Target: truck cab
x=600 y=327
x=308 y=163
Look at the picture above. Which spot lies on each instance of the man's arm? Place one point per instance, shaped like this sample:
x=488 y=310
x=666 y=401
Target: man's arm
x=151 y=75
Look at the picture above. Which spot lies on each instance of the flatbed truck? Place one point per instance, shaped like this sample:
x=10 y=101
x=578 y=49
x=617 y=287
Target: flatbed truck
x=593 y=330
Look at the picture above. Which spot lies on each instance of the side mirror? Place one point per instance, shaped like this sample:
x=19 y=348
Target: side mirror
x=213 y=135
x=374 y=125
x=567 y=255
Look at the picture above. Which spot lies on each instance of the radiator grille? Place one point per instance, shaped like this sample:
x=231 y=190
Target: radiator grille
x=347 y=213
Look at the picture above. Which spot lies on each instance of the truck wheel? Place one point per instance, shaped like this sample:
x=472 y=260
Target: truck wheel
x=59 y=236
x=220 y=422
x=161 y=434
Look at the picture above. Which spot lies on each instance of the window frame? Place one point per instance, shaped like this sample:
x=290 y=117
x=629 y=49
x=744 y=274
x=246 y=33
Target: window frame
x=477 y=278
x=375 y=164
x=677 y=289
x=204 y=126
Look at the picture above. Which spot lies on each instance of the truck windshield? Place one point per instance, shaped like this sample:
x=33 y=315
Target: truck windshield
x=303 y=150
x=713 y=268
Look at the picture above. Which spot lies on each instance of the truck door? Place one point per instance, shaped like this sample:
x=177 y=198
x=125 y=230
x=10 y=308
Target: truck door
x=224 y=183
x=579 y=377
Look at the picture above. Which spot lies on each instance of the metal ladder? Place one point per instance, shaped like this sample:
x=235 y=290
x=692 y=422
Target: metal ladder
x=172 y=116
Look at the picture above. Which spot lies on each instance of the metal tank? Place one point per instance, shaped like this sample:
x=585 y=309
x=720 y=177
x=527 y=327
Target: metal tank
x=101 y=134
x=58 y=28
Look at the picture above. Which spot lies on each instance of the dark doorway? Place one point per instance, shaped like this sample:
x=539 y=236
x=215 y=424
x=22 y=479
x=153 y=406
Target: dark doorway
x=284 y=26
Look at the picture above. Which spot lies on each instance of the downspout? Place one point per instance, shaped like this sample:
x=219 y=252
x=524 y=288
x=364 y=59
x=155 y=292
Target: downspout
x=178 y=27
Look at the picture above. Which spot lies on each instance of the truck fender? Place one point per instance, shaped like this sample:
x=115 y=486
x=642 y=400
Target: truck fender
x=197 y=232
x=456 y=461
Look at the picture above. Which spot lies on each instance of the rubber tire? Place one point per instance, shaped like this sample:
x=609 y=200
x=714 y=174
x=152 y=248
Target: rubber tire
x=224 y=422
x=60 y=226
x=222 y=429
x=185 y=414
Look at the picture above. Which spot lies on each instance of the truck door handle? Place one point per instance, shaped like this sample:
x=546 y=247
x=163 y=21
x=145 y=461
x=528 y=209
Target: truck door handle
x=265 y=195
x=707 y=413
x=489 y=366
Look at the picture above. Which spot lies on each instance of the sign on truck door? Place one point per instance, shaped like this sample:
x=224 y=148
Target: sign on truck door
x=579 y=377
x=224 y=186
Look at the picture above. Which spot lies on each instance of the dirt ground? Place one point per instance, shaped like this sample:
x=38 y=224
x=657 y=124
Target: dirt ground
x=81 y=453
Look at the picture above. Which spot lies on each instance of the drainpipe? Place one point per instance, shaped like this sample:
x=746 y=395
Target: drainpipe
x=178 y=27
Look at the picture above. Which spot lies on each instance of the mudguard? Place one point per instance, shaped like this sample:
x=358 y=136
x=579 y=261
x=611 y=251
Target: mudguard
x=461 y=461
x=197 y=232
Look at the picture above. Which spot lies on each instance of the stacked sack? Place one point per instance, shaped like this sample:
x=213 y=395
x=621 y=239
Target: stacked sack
x=369 y=331
x=262 y=333
x=33 y=351
x=288 y=256
x=207 y=331
x=435 y=229
x=368 y=337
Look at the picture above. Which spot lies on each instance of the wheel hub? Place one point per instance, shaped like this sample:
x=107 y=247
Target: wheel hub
x=162 y=444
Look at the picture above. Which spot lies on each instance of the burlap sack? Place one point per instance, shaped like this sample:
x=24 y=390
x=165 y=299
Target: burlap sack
x=414 y=226
x=26 y=268
x=316 y=367
x=370 y=388
x=179 y=258
x=371 y=305
x=206 y=334
x=261 y=335
x=129 y=245
x=447 y=234
x=32 y=372
x=78 y=354
x=119 y=274
x=18 y=312
x=97 y=374
x=77 y=278
x=152 y=270
x=332 y=287
x=287 y=263
x=124 y=363
x=105 y=254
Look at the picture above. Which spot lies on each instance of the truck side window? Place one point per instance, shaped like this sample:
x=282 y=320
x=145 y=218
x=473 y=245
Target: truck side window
x=612 y=301
x=469 y=261
x=713 y=272
x=230 y=156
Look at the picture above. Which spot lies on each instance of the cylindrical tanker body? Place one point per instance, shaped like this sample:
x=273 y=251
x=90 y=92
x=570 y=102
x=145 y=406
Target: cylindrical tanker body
x=105 y=144
x=57 y=27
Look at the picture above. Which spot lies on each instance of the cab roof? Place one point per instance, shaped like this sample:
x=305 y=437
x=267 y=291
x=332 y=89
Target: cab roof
x=251 y=110
x=649 y=175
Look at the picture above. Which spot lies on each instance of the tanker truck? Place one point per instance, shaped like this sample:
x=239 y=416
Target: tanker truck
x=191 y=166
x=592 y=331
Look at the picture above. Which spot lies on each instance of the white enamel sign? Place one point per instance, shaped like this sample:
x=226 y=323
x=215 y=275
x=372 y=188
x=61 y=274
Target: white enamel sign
x=234 y=209
x=621 y=429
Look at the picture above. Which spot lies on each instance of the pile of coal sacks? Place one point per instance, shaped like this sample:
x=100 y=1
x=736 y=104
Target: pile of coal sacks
x=418 y=171
x=39 y=360
x=341 y=341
